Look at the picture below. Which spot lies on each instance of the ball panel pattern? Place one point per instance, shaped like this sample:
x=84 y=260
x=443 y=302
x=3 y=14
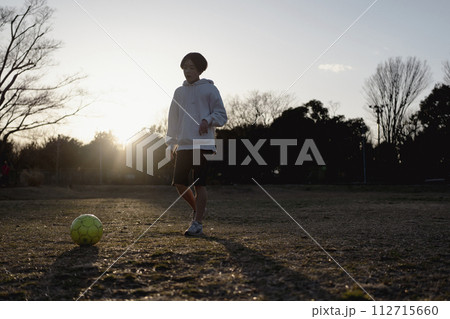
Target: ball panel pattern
x=86 y=229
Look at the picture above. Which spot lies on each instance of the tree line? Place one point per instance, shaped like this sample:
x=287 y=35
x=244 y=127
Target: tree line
x=421 y=153
x=254 y=150
x=409 y=146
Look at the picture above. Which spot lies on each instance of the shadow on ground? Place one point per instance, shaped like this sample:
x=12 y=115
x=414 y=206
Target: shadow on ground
x=216 y=269
x=270 y=279
x=69 y=275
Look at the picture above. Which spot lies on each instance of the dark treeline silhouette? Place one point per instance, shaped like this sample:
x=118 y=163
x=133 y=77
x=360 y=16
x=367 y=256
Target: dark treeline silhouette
x=65 y=160
x=256 y=151
x=338 y=142
x=425 y=151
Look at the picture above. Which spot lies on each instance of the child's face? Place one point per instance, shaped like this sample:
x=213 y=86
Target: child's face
x=190 y=72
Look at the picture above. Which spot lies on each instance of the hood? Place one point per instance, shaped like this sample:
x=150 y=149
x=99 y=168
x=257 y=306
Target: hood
x=199 y=82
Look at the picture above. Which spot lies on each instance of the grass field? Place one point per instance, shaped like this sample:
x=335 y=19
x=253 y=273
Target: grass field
x=394 y=241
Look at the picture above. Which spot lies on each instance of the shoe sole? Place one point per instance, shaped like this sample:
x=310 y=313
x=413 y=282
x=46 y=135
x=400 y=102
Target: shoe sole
x=187 y=234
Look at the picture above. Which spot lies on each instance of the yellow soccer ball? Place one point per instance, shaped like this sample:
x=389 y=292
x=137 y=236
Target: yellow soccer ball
x=86 y=230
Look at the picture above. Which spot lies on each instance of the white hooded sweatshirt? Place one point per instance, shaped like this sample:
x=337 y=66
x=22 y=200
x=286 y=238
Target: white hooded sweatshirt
x=191 y=104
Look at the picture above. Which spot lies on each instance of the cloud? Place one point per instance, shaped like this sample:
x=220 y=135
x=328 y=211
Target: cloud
x=335 y=67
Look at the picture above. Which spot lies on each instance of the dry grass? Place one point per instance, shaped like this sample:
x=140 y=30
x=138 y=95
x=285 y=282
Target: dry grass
x=393 y=241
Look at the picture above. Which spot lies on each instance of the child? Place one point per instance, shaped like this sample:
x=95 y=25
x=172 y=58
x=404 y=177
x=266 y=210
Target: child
x=196 y=110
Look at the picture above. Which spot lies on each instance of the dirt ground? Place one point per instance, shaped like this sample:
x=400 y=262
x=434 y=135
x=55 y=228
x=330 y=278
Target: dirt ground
x=393 y=241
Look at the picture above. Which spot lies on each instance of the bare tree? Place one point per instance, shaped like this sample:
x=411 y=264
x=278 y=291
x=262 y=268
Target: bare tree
x=446 y=68
x=26 y=102
x=392 y=89
x=257 y=108
x=333 y=107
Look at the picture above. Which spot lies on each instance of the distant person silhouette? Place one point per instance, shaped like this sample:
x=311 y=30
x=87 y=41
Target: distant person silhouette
x=5 y=174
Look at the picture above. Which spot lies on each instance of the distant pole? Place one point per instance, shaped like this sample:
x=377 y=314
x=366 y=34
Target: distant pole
x=378 y=124
x=378 y=109
x=100 y=162
x=364 y=159
x=57 y=158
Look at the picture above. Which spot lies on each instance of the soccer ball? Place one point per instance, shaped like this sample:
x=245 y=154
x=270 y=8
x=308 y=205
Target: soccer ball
x=86 y=230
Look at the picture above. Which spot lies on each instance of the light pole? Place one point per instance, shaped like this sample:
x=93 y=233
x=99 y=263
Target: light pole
x=100 y=161
x=58 y=151
x=379 y=110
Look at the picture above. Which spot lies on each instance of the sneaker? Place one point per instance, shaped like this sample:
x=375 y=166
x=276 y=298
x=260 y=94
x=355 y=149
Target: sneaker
x=196 y=229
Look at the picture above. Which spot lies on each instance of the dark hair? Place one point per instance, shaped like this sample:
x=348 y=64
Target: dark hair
x=197 y=59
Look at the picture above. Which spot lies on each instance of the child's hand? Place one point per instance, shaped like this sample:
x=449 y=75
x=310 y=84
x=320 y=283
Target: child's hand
x=203 y=128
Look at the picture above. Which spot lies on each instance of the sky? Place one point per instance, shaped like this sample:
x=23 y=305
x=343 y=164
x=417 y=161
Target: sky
x=130 y=51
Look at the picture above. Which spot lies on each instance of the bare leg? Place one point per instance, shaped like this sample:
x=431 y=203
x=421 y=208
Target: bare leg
x=200 y=200
x=188 y=195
